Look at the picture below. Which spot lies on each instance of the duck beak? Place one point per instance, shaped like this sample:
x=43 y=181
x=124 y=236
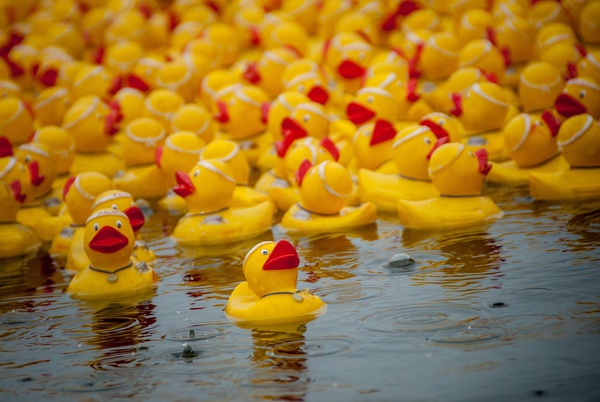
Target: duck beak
x=359 y=114
x=383 y=131
x=108 y=240
x=318 y=94
x=290 y=126
x=184 y=185
x=251 y=73
x=568 y=106
x=482 y=157
x=15 y=187
x=350 y=70
x=136 y=217
x=222 y=115
x=34 y=173
x=111 y=122
x=283 y=256
x=49 y=77
x=438 y=130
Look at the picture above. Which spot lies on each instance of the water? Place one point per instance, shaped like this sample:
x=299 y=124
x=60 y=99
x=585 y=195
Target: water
x=506 y=311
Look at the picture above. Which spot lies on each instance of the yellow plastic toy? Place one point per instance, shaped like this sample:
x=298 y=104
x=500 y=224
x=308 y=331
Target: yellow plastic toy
x=481 y=53
x=195 y=118
x=282 y=107
x=411 y=152
x=315 y=81
x=121 y=58
x=579 y=96
x=589 y=65
x=266 y=73
x=579 y=139
x=16 y=120
x=109 y=242
x=307 y=119
x=587 y=23
x=348 y=55
x=324 y=190
x=269 y=295
x=440 y=56
x=458 y=174
x=51 y=105
x=276 y=33
x=542 y=13
x=91 y=80
x=474 y=24
x=371 y=104
x=208 y=190
x=161 y=104
x=531 y=143
x=372 y=144
x=515 y=35
x=539 y=86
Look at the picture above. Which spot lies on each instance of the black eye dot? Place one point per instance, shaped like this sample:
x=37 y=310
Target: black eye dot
x=119 y=224
x=96 y=227
x=264 y=252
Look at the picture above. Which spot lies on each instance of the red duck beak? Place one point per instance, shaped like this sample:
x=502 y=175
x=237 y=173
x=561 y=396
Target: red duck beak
x=34 y=173
x=551 y=121
x=383 y=131
x=15 y=187
x=302 y=170
x=318 y=94
x=136 y=217
x=158 y=155
x=112 y=119
x=282 y=146
x=254 y=36
x=457 y=100
x=411 y=91
x=137 y=82
x=116 y=84
x=49 y=77
x=482 y=157
x=331 y=148
x=438 y=130
x=265 y=107
x=568 y=106
x=251 y=73
x=359 y=114
x=291 y=127
x=283 y=256
x=440 y=141
x=5 y=147
x=108 y=240
x=184 y=185
x=350 y=70
x=222 y=115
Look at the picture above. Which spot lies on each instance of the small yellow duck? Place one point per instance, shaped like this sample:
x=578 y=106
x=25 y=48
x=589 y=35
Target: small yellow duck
x=208 y=190
x=51 y=105
x=372 y=144
x=195 y=118
x=580 y=95
x=269 y=295
x=348 y=55
x=109 y=242
x=130 y=103
x=324 y=190
x=307 y=119
x=161 y=104
x=16 y=120
x=370 y=104
x=266 y=73
x=532 y=145
x=579 y=139
x=589 y=65
x=458 y=174
x=539 y=86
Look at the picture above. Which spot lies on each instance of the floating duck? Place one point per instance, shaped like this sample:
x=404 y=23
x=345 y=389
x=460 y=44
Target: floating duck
x=16 y=120
x=324 y=190
x=269 y=294
x=531 y=143
x=373 y=147
x=579 y=96
x=195 y=118
x=130 y=103
x=15 y=188
x=91 y=80
x=79 y=195
x=143 y=136
x=266 y=73
x=124 y=202
x=51 y=105
x=230 y=153
x=121 y=58
x=539 y=86
x=589 y=65
x=372 y=103
x=307 y=77
x=307 y=119
x=92 y=124
x=482 y=54
x=515 y=36
x=587 y=23
x=109 y=243
x=411 y=151
x=579 y=139
x=161 y=104
x=440 y=56
x=458 y=174
x=348 y=55
x=276 y=33
x=210 y=219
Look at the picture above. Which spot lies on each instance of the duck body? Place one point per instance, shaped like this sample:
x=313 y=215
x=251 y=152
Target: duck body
x=105 y=163
x=135 y=181
x=269 y=295
x=509 y=172
x=17 y=240
x=297 y=219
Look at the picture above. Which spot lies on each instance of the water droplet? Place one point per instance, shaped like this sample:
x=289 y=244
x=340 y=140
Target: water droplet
x=192 y=334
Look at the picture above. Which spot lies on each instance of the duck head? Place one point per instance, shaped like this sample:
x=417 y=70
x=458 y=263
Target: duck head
x=271 y=267
x=108 y=239
x=282 y=107
x=124 y=202
x=229 y=152
x=60 y=145
x=372 y=103
x=540 y=84
x=373 y=143
x=579 y=139
x=242 y=110
x=325 y=187
x=16 y=177
x=307 y=119
x=530 y=139
x=42 y=168
x=80 y=192
x=142 y=137
x=413 y=148
x=579 y=96
x=179 y=153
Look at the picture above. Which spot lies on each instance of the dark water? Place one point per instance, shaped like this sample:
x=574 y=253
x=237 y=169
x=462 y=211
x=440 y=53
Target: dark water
x=506 y=311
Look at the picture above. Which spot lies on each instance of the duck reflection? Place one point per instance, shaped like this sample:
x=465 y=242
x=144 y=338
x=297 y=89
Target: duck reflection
x=470 y=257
x=281 y=362
x=328 y=256
x=586 y=226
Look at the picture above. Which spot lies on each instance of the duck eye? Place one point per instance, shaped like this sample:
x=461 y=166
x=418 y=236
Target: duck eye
x=427 y=140
x=471 y=154
x=196 y=173
x=264 y=252
x=232 y=102
x=306 y=118
x=441 y=122
x=119 y=224
x=300 y=88
x=367 y=133
x=538 y=123
x=114 y=206
x=582 y=94
x=370 y=99
x=96 y=227
x=361 y=56
x=27 y=159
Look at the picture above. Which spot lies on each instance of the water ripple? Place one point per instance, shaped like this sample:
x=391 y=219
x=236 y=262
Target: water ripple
x=467 y=336
x=349 y=293
x=96 y=382
x=302 y=349
x=200 y=332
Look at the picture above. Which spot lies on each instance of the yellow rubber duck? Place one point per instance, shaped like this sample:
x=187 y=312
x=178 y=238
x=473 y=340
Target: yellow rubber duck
x=210 y=220
x=372 y=144
x=143 y=136
x=79 y=195
x=589 y=65
x=348 y=55
x=15 y=188
x=442 y=96
x=269 y=295
x=92 y=124
x=161 y=104
x=539 y=86
x=579 y=139
x=195 y=118
x=587 y=23
x=440 y=56
x=276 y=33
x=516 y=36
x=482 y=54
x=266 y=73
x=130 y=103
x=411 y=152
x=51 y=105
x=230 y=153
x=307 y=119
x=91 y=80
x=324 y=190
x=180 y=75
x=458 y=174
x=124 y=202
x=213 y=82
x=109 y=242
x=16 y=120
x=542 y=13
x=579 y=96
x=121 y=58
x=371 y=104
x=474 y=24
x=359 y=22
x=532 y=145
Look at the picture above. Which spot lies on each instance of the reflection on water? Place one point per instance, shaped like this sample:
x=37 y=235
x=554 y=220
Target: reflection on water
x=510 y=309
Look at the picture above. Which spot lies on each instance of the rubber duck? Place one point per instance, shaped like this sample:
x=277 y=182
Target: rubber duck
x=92 y=124
x=329 y=13
x=348 y=55
x=482 y=54
x=542 y=13
x=314 y=80
x=589 y=66
x=224 y=36
x=15 y=189
x=213 y=82
x=474 y=24
x=411 y=151
x=282 y=107
x=210 y=220
x=79 y=194
x=230 y=153
x=302 y=12
x=267 y=71
x=269 y=295
x=580 y=95
x=130 y=103
x=551 y=34
x=361 y=23
x=307 y=119
x=532 y=145
x=124 y=202
x=179 y=75
x=440 y=56
x=161 y=104
x=458 y=174
x=372 y=144
x=579 y=140
x=442 y=124
x=143 y=136
x=441 y=96
x=324 y=190
x=126 y=25
x=515 y=37
x=109 y=242
x=539 y=86
x=121 y=58
x=195 y=118
x=16 y=120
x=91 y=80
x=276 y=33
x=372 y=103
x=246 y=19
x=51 y=105
x=587 y=23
